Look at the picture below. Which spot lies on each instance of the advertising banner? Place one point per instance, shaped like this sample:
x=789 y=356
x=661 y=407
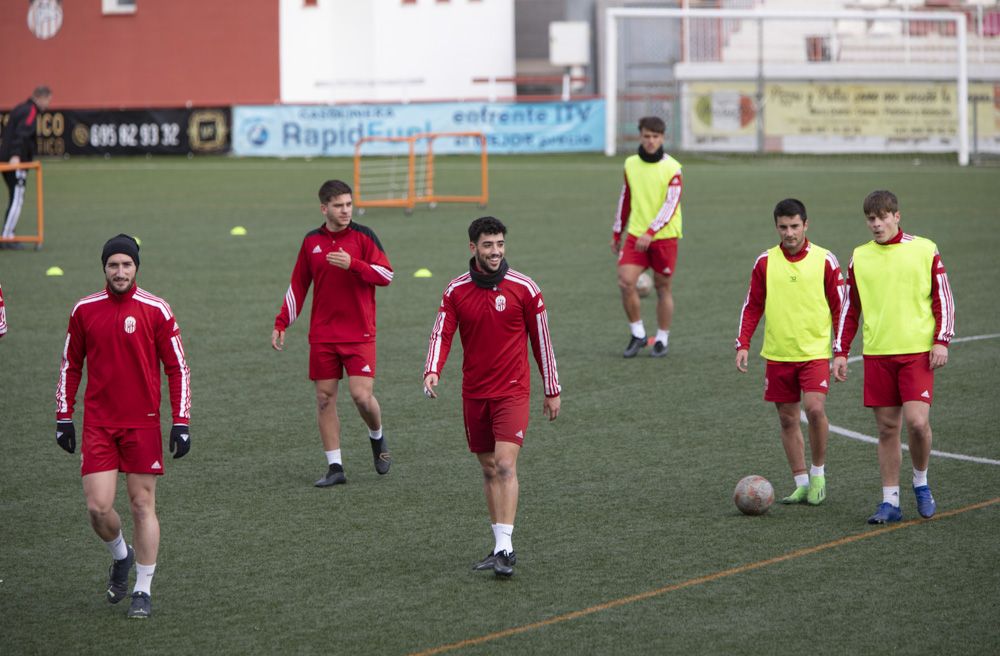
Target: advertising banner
x=839 y=117
x=132 y=132
x=307 y=131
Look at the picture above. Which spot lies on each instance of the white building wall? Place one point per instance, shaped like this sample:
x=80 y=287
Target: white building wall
x=384 y=50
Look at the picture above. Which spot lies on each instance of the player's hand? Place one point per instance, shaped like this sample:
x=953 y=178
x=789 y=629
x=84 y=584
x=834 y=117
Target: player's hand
x=341 y=259
x=840 y=368
x=939 y=356
x=16 y=159
x=550 y=407
x=278 y=340
x=741 y=360
x=180 y=440
x=430 y=382
x=66 y=435
x=616 y=246
x=642 y=243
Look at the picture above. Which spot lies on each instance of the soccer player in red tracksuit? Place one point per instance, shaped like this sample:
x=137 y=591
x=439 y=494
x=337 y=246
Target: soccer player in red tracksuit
x=797 y=287
x=124 y=333
x=495 y=309
x=346 y=262
x=900 y=285
x=3 y=316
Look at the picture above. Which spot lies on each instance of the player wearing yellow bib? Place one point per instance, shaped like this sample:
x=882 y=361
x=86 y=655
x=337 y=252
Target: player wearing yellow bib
x=649 y=212
x=900 y=285
x=796 y=286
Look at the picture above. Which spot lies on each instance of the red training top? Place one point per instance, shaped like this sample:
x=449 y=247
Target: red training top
x=123 y=338
x=343 y=304
x=494 y=324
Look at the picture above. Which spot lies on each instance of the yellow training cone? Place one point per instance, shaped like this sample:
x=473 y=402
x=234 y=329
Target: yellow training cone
x=422 y=273
x=53 y=271
x=238 y=231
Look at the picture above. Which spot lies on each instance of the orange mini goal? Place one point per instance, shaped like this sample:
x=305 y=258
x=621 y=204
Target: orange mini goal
x=431 y=168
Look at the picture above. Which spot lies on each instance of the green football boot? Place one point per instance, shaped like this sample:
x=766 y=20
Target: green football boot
x=817 y=490
x=798 y=496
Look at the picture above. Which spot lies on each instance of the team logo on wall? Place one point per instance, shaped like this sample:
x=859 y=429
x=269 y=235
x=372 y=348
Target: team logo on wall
x=501 y=303
x=130 y=325
x=45 y=17
x=207 y=130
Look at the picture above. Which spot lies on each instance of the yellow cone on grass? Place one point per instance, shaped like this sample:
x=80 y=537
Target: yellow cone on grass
x=53 y=271
x=422 y=273
x=238 y=231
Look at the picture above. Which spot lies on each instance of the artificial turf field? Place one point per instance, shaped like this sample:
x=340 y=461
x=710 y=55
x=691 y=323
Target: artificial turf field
x=627 y=538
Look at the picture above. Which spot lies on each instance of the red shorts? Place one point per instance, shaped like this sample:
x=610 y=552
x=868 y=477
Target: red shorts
x=892 y=380
x=488 y=421
x=329 y=361
x=129 y=450
x=785 y=382
x=661 y=256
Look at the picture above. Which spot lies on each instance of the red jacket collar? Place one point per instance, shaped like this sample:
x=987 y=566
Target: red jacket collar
x=119 y=298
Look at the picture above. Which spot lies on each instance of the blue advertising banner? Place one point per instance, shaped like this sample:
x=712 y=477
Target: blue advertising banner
x=308 y=131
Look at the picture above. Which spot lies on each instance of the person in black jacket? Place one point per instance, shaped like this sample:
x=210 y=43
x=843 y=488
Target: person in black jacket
x=18 y=146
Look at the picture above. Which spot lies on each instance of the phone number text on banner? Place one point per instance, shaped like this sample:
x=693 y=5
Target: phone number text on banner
x=306 y=131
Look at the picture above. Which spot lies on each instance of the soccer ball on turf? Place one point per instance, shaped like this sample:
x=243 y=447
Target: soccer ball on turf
x=753 y=495
x=644 y=284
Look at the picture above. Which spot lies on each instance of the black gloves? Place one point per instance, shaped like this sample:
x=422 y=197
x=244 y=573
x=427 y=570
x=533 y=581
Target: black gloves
x=66 y=435
x=180 y=440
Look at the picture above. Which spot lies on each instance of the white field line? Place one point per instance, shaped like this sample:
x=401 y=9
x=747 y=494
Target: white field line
x=874 y=440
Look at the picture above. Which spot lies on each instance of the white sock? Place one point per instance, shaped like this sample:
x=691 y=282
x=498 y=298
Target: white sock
x=375 y=434
x=333 y=457
x=801 y=480
x=817 y=470
x=117 y=547
x=143 y=577
x=502 y=533
x=919 y=477
x=638 y=330
x=891 y=495
x=663 y=336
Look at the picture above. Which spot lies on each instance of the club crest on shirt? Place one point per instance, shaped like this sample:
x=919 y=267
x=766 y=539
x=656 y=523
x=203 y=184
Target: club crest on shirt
x=500 y=303
x=130 y=324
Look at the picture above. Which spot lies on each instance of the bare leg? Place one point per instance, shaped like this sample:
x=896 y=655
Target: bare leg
x=368 y=407
x=326 y=413
x=664 y=300
x=627 y=276
x=890 y=456
x=819 y=426
x=142 y=497
x=791 y=436
x=918 y=431
x=500 y=481
x=99 y=491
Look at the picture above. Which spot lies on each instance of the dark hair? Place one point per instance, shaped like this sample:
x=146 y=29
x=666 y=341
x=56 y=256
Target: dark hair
x=880 y=203
x=486 y=225
x=41 y=91
x=333 y=188
x=790 y=207
x=653 y=124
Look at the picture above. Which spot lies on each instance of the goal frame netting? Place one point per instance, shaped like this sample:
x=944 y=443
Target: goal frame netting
x=418 y=184
x=615 y=15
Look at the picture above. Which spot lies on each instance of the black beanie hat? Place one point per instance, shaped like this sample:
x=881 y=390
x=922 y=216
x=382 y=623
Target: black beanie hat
x=120 y=244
